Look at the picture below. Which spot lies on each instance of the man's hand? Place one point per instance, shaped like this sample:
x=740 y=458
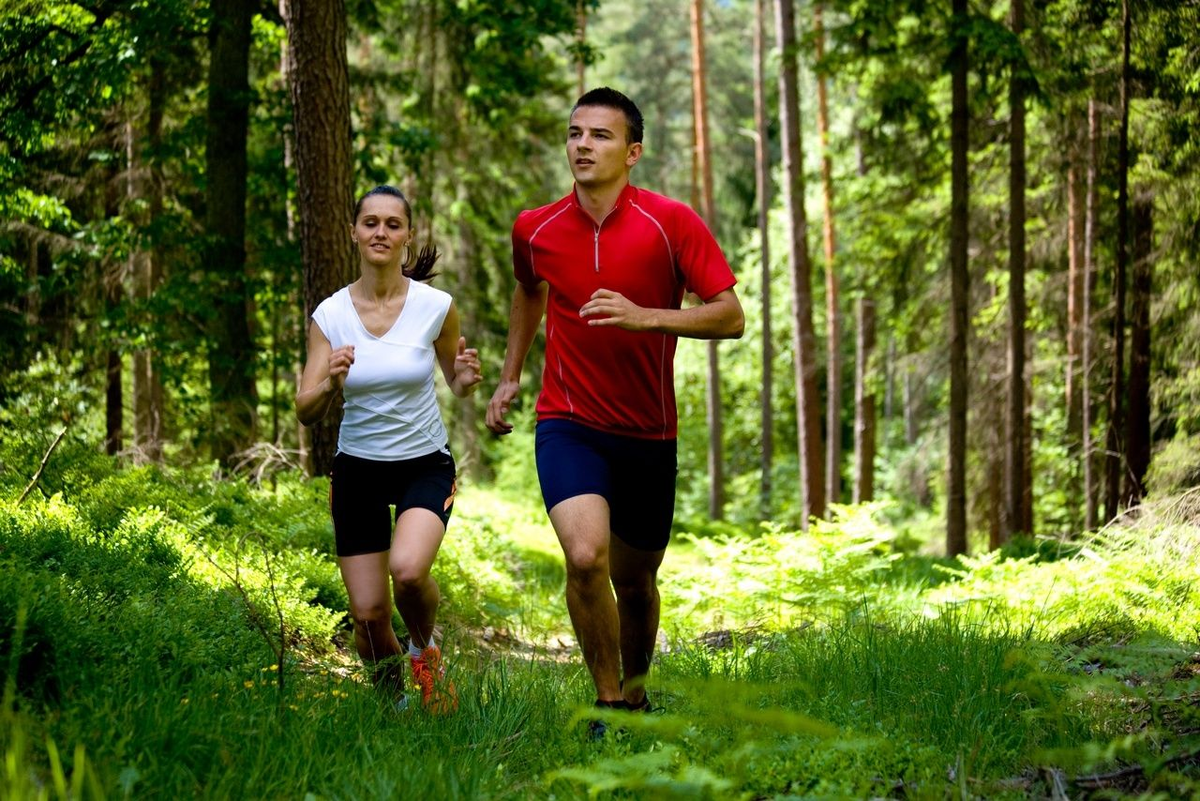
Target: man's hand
x=613 y=308
x=499 y=404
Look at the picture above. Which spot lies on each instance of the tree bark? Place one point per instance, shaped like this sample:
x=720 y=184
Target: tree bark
x=956 y=489
x=833 y=314
x=231 y=358
x=763 y=186
x=1015 y=475
x=716 y=458
x=319 y=81
x=864 y=402
x=804 y=338
x=1090 y=490
x=865 y=415
x=1137 y=432
x=1074 y=368
x=1114 y=458
x=146 y=266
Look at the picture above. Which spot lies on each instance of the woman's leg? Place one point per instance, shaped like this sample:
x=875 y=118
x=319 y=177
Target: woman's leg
x=366 y=579
x=415 y=544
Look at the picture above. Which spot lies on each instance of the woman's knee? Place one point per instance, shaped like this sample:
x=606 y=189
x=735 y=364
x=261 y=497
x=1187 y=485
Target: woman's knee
x=409 y=578
x=371 y=615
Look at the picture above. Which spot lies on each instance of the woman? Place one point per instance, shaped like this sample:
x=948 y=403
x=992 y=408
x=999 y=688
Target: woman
x=375 y=342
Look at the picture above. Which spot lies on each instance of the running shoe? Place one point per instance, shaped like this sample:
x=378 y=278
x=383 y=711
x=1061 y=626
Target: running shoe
x=438 y=694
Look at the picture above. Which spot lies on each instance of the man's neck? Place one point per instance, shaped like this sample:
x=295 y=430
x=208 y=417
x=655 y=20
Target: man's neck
x=599 y=201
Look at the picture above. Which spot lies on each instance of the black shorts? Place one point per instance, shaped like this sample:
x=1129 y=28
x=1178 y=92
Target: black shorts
x=361 y=490
x=636 y=477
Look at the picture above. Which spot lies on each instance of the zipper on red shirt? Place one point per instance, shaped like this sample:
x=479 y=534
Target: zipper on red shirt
x=596 y=242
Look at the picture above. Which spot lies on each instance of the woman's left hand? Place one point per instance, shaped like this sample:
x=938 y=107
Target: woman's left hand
x=468 y=371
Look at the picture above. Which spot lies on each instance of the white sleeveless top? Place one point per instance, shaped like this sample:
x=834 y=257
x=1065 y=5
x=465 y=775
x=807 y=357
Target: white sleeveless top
x=391 y=410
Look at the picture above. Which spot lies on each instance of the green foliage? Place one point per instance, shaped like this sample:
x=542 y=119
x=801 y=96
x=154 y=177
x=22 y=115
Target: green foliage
x=139 y=604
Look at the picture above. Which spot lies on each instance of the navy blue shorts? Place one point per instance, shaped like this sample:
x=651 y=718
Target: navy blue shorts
x=361 y=490
x=636 y=477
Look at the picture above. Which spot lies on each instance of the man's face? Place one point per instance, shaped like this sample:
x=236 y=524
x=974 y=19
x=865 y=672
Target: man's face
x=597 y=150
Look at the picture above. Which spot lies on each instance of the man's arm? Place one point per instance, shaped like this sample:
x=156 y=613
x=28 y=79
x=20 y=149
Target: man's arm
x=524 y=318
x=719 y=317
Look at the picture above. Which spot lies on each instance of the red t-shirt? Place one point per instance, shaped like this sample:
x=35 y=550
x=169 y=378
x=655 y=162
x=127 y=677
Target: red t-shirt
x=649 y=248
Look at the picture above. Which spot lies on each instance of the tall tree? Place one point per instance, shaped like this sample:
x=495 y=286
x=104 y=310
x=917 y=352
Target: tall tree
x=762 y=174
x=1090 y=490
x=1114 y=457
x=320 y=88
x=145 y=188
x=703 y=161
x=833 y=314
x=1014 y=518
x=1075 y=278
x=1137 y=430
x=804 y=340
x=231 y=357
x=956 y=490
x=864 y=394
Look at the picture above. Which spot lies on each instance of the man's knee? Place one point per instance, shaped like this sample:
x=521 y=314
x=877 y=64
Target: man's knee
x=638 y=589
x=585 y=561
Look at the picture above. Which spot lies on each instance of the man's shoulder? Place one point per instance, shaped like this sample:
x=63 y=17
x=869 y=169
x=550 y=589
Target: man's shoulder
x=530 y=219
x=660 y=205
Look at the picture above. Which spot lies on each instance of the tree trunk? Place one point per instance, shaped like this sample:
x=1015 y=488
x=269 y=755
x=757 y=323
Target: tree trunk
x=956 y=489
x=1074 y=369
x=581 y=42
x=320 y=91
x=231 y=357
x=146 y=266
x=833 y=314
x=864 y=396
x=804 y=340
x=1090 y=491
x=470 y=453
x=864 y=402
x=763 y=186
x=716 y=470
x=1116 y=390
x=1015 y=475
x=1137 y=432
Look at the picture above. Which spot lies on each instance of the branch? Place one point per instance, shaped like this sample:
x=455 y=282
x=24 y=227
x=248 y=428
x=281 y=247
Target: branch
x=42 y=466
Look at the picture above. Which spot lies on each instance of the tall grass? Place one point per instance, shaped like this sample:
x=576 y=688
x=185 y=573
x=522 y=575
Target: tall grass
x=136 y=661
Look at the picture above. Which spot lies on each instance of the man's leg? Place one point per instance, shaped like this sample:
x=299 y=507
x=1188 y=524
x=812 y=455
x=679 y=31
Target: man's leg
x=635 y=578
x=581 y=523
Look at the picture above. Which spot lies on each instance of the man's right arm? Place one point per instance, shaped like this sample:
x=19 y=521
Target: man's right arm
x=524 y=318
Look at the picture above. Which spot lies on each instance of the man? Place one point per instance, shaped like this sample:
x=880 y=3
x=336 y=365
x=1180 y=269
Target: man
x=608 y=265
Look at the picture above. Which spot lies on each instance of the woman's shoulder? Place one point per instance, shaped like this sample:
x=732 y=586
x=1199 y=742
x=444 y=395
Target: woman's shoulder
x=430 y=294
x=334 y=301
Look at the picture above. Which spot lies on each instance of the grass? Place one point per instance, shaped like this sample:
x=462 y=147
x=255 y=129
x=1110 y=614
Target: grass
x=140 y=658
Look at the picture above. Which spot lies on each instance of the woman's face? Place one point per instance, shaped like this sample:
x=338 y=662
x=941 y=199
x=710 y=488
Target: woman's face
x=381 y=230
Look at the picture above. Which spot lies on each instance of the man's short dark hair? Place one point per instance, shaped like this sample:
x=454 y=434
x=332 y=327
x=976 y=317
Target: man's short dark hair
x=611 y=98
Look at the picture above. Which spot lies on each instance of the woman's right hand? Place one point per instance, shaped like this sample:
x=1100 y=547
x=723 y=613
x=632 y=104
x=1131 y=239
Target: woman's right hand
x=340 y=360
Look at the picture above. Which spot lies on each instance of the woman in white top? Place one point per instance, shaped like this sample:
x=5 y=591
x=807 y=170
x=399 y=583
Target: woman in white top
x=375 y=343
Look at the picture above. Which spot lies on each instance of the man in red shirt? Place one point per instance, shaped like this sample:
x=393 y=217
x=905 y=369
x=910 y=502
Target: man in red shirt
x=608 y=266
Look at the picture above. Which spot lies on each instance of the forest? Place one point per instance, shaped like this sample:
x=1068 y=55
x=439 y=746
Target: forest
x=937 y=526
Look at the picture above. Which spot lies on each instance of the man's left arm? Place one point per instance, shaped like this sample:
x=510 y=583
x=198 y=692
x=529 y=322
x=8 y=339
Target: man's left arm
x=719 y=317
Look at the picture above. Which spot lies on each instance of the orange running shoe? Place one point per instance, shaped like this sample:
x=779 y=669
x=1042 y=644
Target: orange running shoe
x=438 y=694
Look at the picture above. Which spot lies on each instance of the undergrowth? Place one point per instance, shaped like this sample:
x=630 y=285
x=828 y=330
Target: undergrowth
x=164 y=634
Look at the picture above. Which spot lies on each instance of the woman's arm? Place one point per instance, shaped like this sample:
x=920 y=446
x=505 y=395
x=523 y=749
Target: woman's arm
x=324 y=376
x=460 y=364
